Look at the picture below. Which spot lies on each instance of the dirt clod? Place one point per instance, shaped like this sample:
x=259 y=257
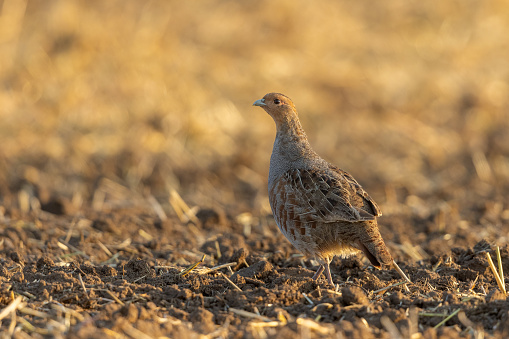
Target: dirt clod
x=495 y=294
x=259 y=270
x=354 y=295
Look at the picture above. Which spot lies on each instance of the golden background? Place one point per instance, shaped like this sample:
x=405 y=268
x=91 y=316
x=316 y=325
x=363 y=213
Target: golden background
x=410 y=97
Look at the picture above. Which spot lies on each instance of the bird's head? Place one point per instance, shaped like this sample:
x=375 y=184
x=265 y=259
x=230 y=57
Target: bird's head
x=279 y=107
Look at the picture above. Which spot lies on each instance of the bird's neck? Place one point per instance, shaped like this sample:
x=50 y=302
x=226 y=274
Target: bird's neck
x=289 y=125
x=291 y=140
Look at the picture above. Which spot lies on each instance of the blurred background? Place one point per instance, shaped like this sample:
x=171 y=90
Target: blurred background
x=410 y=97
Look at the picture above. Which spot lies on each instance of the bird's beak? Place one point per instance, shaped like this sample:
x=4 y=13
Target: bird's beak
x=260 y=103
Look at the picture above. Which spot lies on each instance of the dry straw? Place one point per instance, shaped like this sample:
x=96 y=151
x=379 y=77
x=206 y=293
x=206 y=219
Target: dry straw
x=192 y=267
x=499 y=276
x=447 y=318
x=232 y=283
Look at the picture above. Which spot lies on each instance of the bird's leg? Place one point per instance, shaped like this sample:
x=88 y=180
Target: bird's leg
x=327 y=272
x=318 y=272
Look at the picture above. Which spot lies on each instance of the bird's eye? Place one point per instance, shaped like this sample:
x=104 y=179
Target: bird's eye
x=277 y=101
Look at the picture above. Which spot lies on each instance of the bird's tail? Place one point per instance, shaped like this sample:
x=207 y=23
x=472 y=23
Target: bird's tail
x=371 y=243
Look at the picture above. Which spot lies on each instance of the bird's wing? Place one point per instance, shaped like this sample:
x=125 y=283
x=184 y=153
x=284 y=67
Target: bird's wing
x=329 y=195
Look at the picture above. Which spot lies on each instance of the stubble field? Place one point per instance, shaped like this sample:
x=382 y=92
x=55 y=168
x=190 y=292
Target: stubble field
x=129 y=151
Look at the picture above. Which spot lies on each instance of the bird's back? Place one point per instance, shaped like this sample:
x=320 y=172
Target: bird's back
x=324 y=211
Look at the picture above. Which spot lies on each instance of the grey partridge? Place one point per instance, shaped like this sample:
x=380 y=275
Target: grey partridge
x=319 y=208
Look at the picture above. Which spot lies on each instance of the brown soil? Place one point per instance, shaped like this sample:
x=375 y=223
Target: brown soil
x=120 y=271
x=129 y=150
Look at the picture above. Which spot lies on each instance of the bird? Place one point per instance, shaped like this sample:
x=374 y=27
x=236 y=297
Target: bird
x=321 y=209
